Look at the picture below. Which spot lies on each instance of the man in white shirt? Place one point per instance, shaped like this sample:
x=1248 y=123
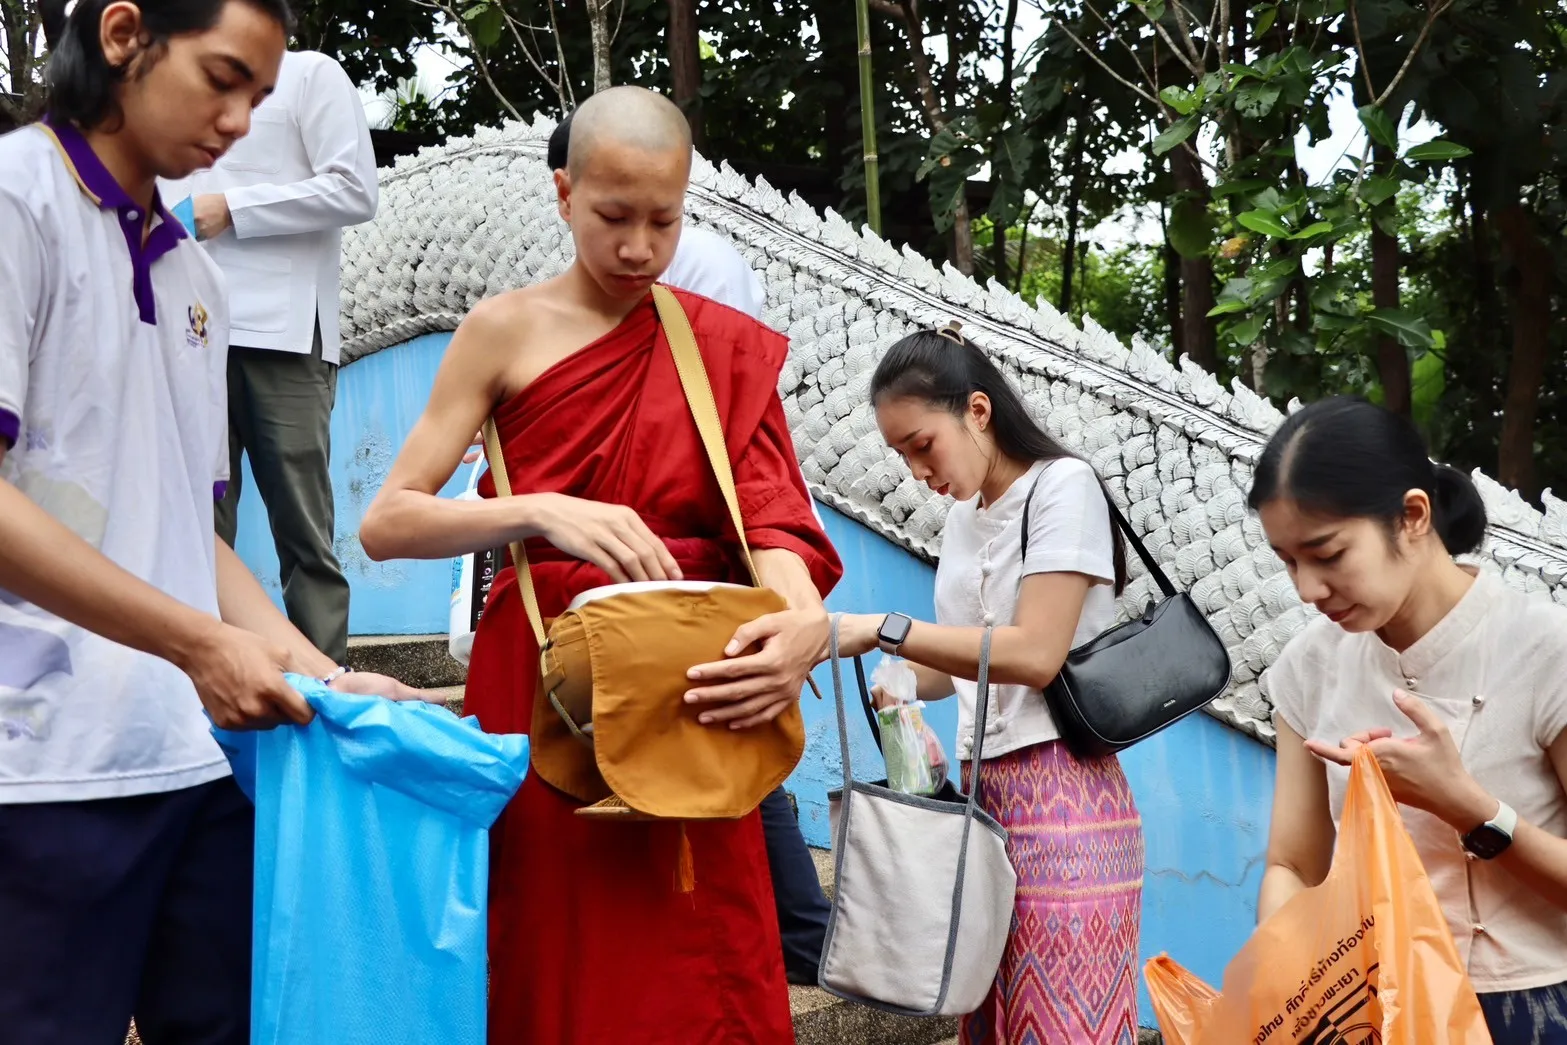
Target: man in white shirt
x=125 y=845
x=272 y=213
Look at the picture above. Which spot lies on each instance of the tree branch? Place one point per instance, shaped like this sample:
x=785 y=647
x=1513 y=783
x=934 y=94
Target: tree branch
x=563 y=87
x=907 y=12
x=1182 y=16
x=448 y=9
x=1409 y=59
x=1123 y=81
x=1125 y=46
x=1360 y=49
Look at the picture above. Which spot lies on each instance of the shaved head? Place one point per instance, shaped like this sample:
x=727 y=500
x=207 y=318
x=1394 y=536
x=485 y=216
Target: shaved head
x=630 y=117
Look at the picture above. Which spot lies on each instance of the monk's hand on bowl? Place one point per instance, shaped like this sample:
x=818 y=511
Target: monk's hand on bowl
x=755 y=685
x=610 y=536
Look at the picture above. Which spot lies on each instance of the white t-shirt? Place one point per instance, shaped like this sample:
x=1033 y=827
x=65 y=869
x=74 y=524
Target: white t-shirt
x=1495 y=671
x=982 y=567
x=113 y=399
x=705 y=263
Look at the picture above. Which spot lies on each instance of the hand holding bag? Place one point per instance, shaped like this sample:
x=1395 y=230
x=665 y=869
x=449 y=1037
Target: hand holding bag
x=1367 y=956
x=610 y=725
x=923 y=888
x=1138 y=677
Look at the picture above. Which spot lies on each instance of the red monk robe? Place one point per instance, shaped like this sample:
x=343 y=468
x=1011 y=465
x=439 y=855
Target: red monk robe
x=590 y=942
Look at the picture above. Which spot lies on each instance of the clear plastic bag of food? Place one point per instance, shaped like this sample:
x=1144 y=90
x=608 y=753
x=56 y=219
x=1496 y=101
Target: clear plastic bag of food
x=916 y=762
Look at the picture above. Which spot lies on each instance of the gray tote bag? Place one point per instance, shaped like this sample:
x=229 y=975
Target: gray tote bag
x=923 y=891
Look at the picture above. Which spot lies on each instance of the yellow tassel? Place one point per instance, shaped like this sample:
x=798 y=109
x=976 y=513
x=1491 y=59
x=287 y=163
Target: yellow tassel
x=685 y=865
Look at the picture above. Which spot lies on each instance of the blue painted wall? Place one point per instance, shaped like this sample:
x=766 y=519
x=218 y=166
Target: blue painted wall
x=378 y=400
x=1204 y=791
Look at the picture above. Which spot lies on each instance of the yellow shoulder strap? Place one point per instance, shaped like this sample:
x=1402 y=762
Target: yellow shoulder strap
x=519 y=554
x=704 y=410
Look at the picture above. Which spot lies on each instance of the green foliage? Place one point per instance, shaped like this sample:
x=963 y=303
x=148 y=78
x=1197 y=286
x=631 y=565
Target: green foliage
x=1290 y=258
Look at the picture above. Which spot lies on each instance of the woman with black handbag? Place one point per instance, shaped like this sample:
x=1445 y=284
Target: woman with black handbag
x=1075 y=837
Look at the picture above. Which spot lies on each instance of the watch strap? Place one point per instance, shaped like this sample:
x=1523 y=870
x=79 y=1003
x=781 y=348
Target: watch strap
x=1505 y=820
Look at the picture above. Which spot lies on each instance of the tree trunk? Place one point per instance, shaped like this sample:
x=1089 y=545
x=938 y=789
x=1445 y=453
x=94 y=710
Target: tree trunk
x=20 y=23
x=1531 y=321
x=841 y=131
x=998 y=255
x=1074 y=207
x=1172 y=297
x=963 y=237
x=1197 y=339
x=685 y=64
x=1392 y=357
x=1022 y=254
x=907 y=12
x=1483 y=259
x=598 y=25
x=998 y=243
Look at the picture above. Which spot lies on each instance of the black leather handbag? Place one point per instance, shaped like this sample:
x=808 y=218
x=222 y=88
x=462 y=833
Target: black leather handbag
x=1138 y=677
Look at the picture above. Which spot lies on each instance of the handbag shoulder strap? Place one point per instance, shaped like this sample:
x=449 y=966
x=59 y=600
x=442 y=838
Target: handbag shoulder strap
x=1149 y=561
x=519 y=554
x=704 y=410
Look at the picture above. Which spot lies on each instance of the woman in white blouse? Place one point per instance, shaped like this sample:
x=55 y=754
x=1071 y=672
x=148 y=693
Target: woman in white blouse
x=1456 y=681
x=1069 y=973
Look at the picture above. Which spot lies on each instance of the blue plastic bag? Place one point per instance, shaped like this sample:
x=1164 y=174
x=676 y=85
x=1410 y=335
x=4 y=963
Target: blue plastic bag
x=372 y=870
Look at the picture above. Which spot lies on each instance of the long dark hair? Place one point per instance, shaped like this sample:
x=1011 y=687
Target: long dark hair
x=83 y=85
x=1351 y=459
x=943 y=368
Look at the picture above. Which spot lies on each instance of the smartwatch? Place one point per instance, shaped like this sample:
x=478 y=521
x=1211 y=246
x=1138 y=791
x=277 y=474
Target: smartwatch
x=892 y=634
x=1491 y=839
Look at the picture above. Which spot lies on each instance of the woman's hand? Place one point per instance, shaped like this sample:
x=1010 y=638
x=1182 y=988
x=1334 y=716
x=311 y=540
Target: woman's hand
x=880 y=698
x=756 y=688
x=858 y=634
x=1423 y=771
x=610 y=536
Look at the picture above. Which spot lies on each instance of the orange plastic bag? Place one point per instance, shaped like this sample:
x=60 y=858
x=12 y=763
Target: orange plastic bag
x=1365 y=957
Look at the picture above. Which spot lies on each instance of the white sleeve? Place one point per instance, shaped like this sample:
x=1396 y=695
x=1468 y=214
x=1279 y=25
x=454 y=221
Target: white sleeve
x=1281 y=684
x=752 y=291
x=218 y=389
x=1069 y=523
x=22 y=280
x=344 y=189
x=706 y=263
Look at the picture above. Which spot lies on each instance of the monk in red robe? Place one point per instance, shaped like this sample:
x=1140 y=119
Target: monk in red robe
x=590 y=941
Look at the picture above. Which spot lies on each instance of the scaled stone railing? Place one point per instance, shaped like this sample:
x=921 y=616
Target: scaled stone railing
x=477 y=216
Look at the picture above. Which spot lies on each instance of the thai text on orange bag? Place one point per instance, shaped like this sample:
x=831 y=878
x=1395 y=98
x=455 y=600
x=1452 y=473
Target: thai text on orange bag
x=1366 y=957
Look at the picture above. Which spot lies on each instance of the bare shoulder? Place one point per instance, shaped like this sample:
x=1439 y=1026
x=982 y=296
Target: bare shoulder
x=498 y=324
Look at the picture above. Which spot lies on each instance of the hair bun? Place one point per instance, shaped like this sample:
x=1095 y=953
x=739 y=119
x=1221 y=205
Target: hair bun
x=1459 y=510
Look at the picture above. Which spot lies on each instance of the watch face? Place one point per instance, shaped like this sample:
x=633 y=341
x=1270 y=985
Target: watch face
x=895 y=629
x=1486 y=842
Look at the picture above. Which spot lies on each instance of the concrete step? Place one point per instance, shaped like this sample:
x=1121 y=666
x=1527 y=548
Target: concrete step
x=821 y=1019
x=418 y=660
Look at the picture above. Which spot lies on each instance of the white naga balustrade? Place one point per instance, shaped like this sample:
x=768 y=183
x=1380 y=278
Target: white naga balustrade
x=477 y=216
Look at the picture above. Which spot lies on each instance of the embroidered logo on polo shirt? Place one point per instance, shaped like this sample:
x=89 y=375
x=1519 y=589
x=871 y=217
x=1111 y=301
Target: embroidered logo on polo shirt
x=196 y=336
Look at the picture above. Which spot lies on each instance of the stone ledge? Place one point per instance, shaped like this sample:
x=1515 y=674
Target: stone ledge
x=822 y=1019
x=417 y=660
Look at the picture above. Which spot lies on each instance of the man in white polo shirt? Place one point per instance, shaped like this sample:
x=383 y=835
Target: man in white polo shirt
x=271 y=213
x=125 y=846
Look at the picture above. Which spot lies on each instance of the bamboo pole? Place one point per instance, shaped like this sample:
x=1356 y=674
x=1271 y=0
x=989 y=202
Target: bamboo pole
x=868 y=118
